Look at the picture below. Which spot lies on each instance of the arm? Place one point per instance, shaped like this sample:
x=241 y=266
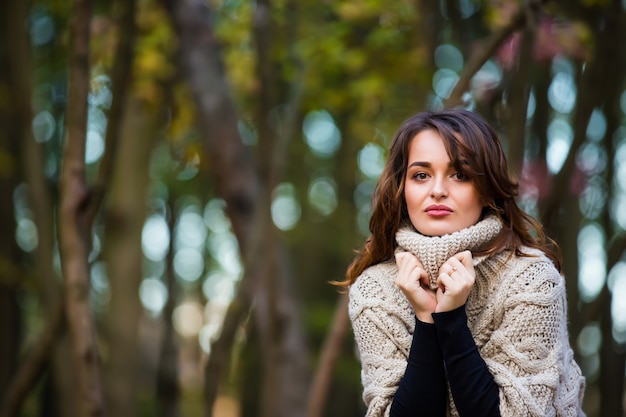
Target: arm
x=422 y=390
x=528 y=352
x=382 y=322
x=473 y=388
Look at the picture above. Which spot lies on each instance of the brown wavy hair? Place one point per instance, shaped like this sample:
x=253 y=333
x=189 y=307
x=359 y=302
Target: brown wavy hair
x=475 y=150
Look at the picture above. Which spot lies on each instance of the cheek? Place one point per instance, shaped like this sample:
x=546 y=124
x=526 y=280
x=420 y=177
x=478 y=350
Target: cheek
x=411 y=196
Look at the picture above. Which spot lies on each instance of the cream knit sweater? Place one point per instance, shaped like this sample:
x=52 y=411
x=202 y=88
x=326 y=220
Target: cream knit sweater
x=516 y=313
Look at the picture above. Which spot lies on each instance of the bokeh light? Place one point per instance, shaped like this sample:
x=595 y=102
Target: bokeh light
x=153 y=295
x=321 y=133
x=286 y=210
x=562 y=93
x=188 y=318
x=155 y=238
x=592 y=259
x=323 y=195
x=449 y=57
x=371 y=160
x=560 y=137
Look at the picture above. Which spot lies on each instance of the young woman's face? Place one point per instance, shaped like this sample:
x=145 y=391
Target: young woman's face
x=439 y=199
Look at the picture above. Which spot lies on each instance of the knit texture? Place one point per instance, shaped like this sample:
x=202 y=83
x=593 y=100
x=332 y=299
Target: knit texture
x=433 y=251
x=516 y=312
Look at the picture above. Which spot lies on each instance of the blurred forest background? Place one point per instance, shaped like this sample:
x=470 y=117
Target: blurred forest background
x=181 y=179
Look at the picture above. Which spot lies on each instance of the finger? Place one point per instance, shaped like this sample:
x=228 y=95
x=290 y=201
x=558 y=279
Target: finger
x=451 y=267
x=465 y=258
x=455 y=281
x=460 y=274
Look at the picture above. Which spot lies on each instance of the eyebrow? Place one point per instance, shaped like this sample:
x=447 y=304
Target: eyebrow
x=425 y=164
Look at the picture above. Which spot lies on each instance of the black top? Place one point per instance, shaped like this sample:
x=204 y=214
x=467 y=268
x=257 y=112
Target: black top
x=440 y=352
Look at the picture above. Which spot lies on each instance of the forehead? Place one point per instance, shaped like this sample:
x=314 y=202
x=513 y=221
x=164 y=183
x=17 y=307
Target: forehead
x=427 y=143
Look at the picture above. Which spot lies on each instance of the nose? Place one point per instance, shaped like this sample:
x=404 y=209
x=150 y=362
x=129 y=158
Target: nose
x=439 y=189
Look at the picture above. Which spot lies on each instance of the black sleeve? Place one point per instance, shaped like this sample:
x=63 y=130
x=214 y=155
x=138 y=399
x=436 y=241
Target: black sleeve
x=474 y=390
x=422 y=390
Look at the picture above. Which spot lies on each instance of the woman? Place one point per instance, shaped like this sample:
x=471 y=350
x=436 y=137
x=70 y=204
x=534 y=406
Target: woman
x=456 y=301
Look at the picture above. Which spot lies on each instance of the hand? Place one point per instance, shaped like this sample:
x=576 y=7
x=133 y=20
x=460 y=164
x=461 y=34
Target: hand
x=412 y=279
x=455 y=281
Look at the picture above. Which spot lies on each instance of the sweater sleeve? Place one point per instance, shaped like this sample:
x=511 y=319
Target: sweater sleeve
x=528 y=352
x=382 y=322
x=473 y=388
x=422 y=390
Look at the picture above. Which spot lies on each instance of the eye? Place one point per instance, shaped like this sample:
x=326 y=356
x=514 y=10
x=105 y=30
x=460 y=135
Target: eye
x=460 y=176
x=419 y=176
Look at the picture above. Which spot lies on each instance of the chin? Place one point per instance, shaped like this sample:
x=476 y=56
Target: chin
x=436 y=231
x=431 y=228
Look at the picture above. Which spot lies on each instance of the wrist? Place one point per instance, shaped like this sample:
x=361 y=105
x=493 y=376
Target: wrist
x=425 y=317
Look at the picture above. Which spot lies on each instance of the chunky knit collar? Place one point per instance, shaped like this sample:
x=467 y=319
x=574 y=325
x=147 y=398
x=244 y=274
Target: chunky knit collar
x=433 y=251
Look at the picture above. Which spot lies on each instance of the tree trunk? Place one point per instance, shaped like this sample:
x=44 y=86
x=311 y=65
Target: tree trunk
x=124 y=218
x=12 y=272
x=231 y=166
x=167 y=385
x=73 y=226
x=518 y=98
x=285 y=355
x=54 y=351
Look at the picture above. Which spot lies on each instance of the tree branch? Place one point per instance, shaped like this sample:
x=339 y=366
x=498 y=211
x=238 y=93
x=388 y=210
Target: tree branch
x=120 y=78
x=479 y=59
x=328 y=358
x=73 y=221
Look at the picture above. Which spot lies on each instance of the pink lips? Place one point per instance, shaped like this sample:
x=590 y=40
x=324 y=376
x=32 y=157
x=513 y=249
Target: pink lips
x=436 y=210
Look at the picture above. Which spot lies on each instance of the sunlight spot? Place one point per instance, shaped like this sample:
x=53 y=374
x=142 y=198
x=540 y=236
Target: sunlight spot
x=562 y=93
x=191 y=230
x=486 y=80
x=591 y=158
x=188 y=264
x=43 y=126
x=444 y=81
x=596 y=129
x=592 y=272
x=323 y=195
x=224 y=248
x=617 y=285
x=590 y=339
x=101 y=95
x=371 y=160
x=532 y=105
x=448 y=56
x=153 y=295
x=286 y=210
x=99 y=278
x=94 y=148
x=593 y=199
x=208 y=334
x=618 y=210
x=41 y=28
x=219 y=287
x=155 y=238
x=321 y=133
x=188 y=319
x=214 y=216
x=560 y=136
x=26 y=235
